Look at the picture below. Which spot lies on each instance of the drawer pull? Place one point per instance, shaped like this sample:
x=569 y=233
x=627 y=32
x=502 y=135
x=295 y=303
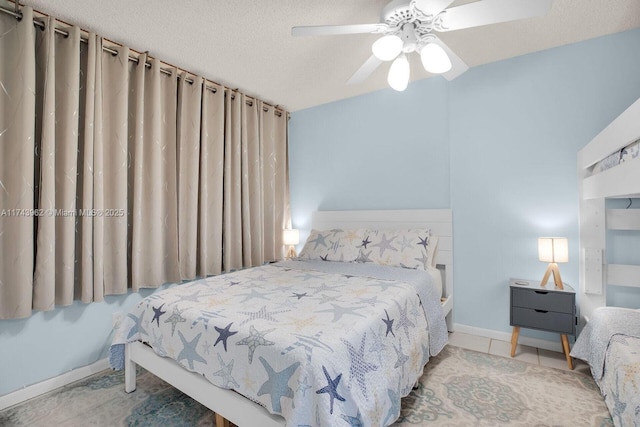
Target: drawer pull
x=541 y=311
x=541 y=292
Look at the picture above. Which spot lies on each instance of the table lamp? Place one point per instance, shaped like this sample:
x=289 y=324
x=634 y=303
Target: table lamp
x=290 y=238
x=553 y=250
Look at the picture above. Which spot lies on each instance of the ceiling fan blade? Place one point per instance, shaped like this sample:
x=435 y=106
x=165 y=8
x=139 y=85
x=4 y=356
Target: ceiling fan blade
x=365 y=70
x=432 y=7
x=329 y=30
x=458 y=66
x=486 y=12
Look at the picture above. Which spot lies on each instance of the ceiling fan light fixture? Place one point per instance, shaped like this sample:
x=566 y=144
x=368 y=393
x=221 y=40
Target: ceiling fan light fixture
x=434 y=59
x=398 y=77
x=408 y=26
x=386 y=48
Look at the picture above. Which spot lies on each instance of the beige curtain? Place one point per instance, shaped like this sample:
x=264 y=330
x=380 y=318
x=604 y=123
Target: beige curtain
x=56 y=137
x=91 y=135
x=18 y=80
x=189 y=125
x=155 y=215
x=111 y=164
x=210 y=212
x=232 y=191
x=275 y=181
x=117 y=175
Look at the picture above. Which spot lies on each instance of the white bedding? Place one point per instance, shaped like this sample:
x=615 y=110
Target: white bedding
x=436 y=277
x=610 y=343
x=620 y=384
x=321 y=343
x=628 y=153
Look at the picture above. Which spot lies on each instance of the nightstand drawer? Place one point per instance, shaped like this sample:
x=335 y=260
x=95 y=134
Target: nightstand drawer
x=546 y=320
x=542 y=300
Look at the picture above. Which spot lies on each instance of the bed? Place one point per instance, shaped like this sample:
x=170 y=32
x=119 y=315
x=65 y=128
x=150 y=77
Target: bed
x=610 y=343
x=306 y=342
x=609 y=168
x=621 y=180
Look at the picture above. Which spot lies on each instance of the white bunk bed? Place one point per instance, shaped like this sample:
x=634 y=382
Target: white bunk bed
x=621 y=181
x=610 y=336
x=230 y=406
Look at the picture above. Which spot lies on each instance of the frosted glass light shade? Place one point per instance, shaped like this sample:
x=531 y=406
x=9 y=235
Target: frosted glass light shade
x=387 y=47
x=398 y=77
x=553 y=249
x=434 y=59
x=290 y=237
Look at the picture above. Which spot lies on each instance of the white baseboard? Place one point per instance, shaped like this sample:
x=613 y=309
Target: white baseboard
x=506 y=336
x=37 y=389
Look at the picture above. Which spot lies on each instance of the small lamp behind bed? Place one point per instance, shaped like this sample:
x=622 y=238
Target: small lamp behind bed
x=290 y=238
x=553 y=250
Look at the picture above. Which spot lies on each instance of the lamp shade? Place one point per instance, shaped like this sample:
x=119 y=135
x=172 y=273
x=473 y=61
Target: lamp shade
x=387 y=48
x=398 y=77
x=291 y=236
x=553 y=249
x=434 y=59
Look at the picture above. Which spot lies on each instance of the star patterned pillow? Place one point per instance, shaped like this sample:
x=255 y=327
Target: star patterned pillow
x=332 y=245
x=412 y=248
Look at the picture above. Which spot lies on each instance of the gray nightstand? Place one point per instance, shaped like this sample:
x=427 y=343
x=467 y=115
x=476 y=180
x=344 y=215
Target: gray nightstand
x=546 y=308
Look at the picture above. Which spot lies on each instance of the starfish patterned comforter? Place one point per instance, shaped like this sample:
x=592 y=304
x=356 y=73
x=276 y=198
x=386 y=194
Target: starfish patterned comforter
x=610 y=343
x=321 y=343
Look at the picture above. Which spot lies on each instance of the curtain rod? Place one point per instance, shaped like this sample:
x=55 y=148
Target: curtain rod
x=18 y=15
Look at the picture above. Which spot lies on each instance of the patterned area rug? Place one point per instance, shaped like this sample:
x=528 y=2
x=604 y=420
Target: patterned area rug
x=460 y=388
x=466 y=388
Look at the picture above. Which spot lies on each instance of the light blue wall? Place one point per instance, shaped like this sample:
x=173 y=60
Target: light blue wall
x=381 y=151
x=515 y=129
x=51 y=343
x=510 y=132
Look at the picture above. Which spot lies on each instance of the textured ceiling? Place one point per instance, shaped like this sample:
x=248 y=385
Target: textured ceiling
x=248 y=45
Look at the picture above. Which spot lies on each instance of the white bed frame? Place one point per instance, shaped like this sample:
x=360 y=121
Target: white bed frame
x=230 y=406
x=622 y=181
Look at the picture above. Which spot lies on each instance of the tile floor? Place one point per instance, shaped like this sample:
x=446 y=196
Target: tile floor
x=524 y=353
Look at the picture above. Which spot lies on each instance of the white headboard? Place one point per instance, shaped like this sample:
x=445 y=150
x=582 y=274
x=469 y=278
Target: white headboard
x=438 y=220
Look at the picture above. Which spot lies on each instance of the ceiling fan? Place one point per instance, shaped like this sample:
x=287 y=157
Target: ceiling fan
x=410 y=26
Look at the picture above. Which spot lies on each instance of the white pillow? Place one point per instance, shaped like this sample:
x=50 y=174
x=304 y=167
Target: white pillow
x=408 y=248
x=332 y=245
